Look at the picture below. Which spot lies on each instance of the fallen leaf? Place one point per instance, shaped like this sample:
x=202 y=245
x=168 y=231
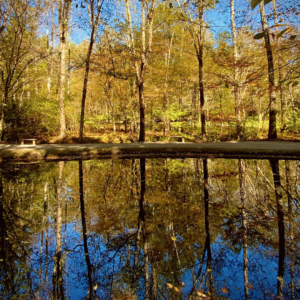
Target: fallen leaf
x=199 y=293
x=173 y=238
x=225 y=290
x=250 y=286
x=176 y=289
x=169 y=285
x=95 y=287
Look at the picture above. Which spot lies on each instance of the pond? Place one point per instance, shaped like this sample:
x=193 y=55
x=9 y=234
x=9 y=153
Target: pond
x=150 y=229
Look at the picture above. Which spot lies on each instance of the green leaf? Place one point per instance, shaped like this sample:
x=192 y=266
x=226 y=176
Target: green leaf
x=295 y=83
x=254 y=3
x=259 y=36
x=292 y=37
x=283 y=81
x=282 y=32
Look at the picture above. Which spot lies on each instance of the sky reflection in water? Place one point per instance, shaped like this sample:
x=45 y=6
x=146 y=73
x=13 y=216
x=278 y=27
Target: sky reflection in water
x=150 y=229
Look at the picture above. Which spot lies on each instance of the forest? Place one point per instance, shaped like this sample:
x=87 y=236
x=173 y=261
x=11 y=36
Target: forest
x=149 y=70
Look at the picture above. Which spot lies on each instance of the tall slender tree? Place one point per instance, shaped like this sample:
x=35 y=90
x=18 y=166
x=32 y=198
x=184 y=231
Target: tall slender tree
x=197 y=34
x=235 y=70
x=94 y=9
x=272 y=134
x=141 y=63
x=64 y=7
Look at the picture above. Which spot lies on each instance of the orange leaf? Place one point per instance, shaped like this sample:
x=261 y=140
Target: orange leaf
x=225 y=290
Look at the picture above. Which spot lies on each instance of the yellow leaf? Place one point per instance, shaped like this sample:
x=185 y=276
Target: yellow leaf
x=199 y=293
x=225 y=290
x=169 y=285
x=173 y=238
x=95 y=287
x=176 y=289
x=290 y=29
x=182 y=283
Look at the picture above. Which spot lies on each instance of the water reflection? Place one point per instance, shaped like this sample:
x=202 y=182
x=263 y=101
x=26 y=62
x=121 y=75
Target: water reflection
x=150 y=229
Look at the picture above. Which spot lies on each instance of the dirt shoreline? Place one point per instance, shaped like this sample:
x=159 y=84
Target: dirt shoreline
x=54 y=152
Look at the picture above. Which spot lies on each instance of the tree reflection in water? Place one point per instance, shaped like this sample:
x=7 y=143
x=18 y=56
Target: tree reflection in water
x=150 y=229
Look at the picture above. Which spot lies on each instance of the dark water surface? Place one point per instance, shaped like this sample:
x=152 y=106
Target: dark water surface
x=150 y=229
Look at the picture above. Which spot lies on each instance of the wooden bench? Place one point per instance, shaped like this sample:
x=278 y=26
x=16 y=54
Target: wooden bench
x=178 y=137
x=32 y=140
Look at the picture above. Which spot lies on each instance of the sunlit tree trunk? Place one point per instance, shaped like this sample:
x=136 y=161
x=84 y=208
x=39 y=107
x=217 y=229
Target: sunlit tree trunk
x=167 y=63
x=49 y=53
x=235 y=71
x=63 y=10
x=272 y=92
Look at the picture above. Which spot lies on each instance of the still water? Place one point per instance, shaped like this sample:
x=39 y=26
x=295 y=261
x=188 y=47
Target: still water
x=150 y=229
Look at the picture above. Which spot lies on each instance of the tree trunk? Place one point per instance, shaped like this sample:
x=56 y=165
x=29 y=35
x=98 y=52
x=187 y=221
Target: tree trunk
x=142 y=112
x=280 y=216
x=280 y=77
x=200 y=64
x=84 y=233
x=291 y=228
x=235 y=72
x=272 y=93
x=2 y=120
x=141 y=69
x=85 y=83
x=94 y=19
x=242 y=168
x=57 y=267
x=207 y=242
x=63 y=22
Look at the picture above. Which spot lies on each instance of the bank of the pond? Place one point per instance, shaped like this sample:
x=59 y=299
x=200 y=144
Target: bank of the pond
x=262 y=149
